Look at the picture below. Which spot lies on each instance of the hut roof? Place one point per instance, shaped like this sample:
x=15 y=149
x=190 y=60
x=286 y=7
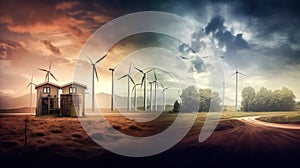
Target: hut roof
x=73 y=83
x=46 y=83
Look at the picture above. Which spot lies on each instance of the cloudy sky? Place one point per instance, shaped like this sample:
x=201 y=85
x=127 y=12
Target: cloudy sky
x=260 y=38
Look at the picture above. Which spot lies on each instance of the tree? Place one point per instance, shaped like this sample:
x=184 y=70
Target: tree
x=284 y=99
x=209 y=100
x=176 y=107
x=190 y=99
x=248 y=95
x=267 y=100
x=205 y=99
x=262 y=99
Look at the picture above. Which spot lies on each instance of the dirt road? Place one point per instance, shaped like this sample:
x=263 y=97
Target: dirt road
x=253 y=120
x=247 y=142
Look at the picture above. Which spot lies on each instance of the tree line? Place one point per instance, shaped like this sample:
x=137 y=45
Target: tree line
x=199 y=100
x=204 y=100
x=267 y=100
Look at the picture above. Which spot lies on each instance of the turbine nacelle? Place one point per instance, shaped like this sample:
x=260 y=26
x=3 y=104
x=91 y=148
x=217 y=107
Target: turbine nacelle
x=48 y=73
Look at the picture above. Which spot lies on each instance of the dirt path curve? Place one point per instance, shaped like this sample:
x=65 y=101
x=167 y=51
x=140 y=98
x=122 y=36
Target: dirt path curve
x=253 y=121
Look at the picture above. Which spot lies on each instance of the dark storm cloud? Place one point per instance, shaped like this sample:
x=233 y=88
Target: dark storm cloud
x=271 y=17
x=198 y=65
x=225 y=37
x=216 y=24
x=51 y=47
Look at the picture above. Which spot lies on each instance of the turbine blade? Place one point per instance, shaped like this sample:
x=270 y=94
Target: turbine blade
x=162 y=85
x=101 y=59
x=43 y=70
x=235 y=67
x=31 y=78
x=28 y=85
x=129 y=68
x=133 y=88
x=50 y=65
x=183 y=57
x=53 y=76
x=232 y=75
x=95 y=71
x=139 y=70
x=155 y=77
x=243 y=74
x=143 y=80
x=122 y=77
x=150 y=70
x=116 y=66
x=89 y=59
x=46 y=76
x=131 y=79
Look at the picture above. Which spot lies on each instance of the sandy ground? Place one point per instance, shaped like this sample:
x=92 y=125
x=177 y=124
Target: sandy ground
x=253 y=120
x=62 y=141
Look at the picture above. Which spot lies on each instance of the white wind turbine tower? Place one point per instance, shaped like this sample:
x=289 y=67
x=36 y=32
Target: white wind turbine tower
x=94 y=72
x=155 y=89
x=48 y=73
x=151 y=95
x=164 y=95
x=144 y=80
x=128 y=87
x=30 y=84
x=151 y=92
x=113 y=86
x=236 y=73
x=135 y=94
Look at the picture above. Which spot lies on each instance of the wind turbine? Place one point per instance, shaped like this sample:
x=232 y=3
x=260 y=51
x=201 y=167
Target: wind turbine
x=135 y=95
x=94 y=72
x=112 y=86
x=155 y=91
x=164 y=95
x=30 y=84
x=128 y=84
x=236 y=73
x=48 y=73
x=144 y=80
x=151 y=95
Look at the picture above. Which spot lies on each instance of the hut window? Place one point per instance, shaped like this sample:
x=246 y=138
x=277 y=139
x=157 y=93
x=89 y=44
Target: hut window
x=46 y=90
x=72 y=90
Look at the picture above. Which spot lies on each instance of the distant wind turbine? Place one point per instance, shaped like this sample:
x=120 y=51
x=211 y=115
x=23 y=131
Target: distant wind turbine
x=128 y=87
x=112 y=86
x=155 y=91
x=164 y=95
x=30 y=84
x=151 y=95
x=135 y=94
x=144 y=80
x=48 y=73
x=94 y=72
x=236 y=86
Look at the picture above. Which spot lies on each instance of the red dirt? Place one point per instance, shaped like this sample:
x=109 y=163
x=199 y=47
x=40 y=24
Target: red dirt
x=61 y=141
